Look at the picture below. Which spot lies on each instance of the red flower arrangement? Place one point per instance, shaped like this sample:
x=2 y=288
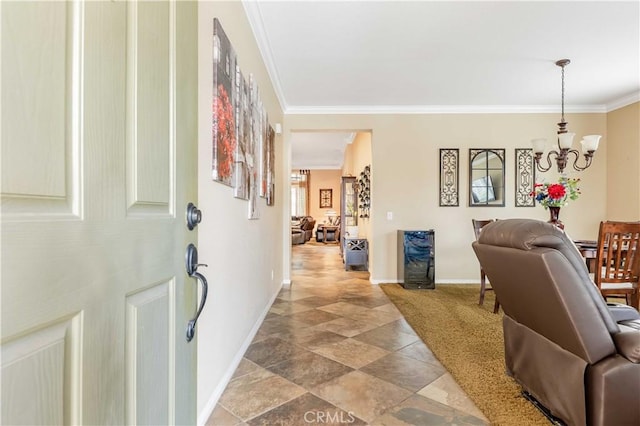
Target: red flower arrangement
x=556 y=194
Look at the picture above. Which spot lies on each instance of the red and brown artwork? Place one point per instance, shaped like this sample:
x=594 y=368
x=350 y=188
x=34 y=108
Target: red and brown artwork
x=223 y=108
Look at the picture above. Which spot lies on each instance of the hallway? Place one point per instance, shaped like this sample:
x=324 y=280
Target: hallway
x=334 y=350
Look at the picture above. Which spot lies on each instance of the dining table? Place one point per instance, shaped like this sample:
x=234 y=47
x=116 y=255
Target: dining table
x=589 y=250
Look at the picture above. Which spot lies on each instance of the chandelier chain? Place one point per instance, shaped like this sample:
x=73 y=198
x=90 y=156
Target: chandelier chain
x=563 y=93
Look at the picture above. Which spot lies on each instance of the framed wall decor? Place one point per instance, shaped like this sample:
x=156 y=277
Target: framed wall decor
x=525 y=177
x=449 y=177
x=243 y=132
x=486 y=177
x=224 y=107
x=326 y=198
x=257 y=115
x=271 y=167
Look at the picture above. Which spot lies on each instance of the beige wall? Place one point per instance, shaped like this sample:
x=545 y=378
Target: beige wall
x=405 y=166
x=244 y=256
x=623 y=163
x=323 y=179
x=357 y=156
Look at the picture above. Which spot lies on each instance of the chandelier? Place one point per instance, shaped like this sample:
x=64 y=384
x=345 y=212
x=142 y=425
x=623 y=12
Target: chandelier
x=565 y=140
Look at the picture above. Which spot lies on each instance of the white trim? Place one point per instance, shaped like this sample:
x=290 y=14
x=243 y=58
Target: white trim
x=226 y=378
x=624 y=101
x=387 y=281
x=440 y=281
x=457 y=281
x=444 y=109
x=254 y=17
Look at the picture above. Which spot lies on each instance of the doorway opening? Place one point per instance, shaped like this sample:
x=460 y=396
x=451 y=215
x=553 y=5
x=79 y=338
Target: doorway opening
x=330 y=188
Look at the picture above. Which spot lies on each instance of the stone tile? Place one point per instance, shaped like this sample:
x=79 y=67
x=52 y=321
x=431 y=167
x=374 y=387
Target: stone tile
x=421 y=352
x=365 y=396
x=345 y=326
x=292 y=293
x=373 y=317
x=369 y=301
x=318 y=301
x=418 y=410
x=245 y=367
x=447 y=391
x=221 y=417
x=287 y=308
x=306 y=410
x=343 y=308
x=309 y=369
x=313 y=316
x=386 y=338
x=389 y=308
x=328 y=322
x=271 y=351
x=351 y=352
x=400 y=326
x=310 y=338
x=280 y=324
x=255 y=393
x=403 y=371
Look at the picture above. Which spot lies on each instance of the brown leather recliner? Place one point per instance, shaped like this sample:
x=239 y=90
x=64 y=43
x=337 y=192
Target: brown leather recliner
x=307 y=224
x=576 y=355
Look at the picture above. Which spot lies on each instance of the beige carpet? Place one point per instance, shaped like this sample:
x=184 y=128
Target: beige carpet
x=467 y=339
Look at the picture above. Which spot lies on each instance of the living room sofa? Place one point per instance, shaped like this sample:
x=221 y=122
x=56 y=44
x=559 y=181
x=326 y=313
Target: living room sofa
x=304 y=226
x=575 y=354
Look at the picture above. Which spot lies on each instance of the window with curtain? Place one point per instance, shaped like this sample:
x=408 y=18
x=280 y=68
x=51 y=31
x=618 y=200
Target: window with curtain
x=299 y=193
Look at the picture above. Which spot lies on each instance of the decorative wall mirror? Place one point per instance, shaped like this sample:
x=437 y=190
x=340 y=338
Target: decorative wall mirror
x=486 y=177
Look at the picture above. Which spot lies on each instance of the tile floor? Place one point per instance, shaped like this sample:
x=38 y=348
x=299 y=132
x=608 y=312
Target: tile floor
x=334 y=350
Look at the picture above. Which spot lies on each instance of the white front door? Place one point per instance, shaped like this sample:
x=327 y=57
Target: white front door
x=98 y=165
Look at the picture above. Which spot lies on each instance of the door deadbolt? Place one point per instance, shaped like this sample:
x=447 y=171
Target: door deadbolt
x=194 y=216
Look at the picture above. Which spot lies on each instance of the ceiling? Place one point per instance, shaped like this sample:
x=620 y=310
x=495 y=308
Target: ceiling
x=448 y=56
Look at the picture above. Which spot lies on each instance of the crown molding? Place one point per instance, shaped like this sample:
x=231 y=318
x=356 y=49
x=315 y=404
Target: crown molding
x=318 y=167
x=623 y=101
x=444 y=109
x=252 y=10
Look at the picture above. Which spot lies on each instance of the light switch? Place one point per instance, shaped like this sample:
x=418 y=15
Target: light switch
x=389 y=215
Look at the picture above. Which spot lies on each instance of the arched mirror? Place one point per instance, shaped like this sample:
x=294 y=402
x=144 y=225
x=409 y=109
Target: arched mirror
x=486 y=177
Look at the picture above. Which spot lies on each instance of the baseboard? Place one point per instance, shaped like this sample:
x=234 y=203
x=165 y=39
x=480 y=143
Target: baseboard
x=217 y=393
x=457 y=281
x=388 y=281
x=443 y=281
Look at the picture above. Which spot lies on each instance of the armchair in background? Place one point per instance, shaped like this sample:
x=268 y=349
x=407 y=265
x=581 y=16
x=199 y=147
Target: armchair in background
x=307 y=224
x=302 y=229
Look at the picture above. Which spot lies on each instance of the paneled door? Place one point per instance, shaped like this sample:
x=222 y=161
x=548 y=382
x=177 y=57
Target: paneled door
x=98 y=164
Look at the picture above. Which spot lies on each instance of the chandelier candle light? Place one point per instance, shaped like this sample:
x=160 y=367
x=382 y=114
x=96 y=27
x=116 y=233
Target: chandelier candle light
x=565 y=140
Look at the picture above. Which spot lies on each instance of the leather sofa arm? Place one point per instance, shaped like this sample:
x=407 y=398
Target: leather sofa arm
x=621 y=312
x=628 y=341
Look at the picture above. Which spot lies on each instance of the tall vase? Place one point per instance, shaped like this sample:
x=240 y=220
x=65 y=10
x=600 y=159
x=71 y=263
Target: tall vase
x=554 y=213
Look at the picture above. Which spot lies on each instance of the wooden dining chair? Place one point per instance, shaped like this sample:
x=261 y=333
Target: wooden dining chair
x=618 y=261
x=477 y=227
